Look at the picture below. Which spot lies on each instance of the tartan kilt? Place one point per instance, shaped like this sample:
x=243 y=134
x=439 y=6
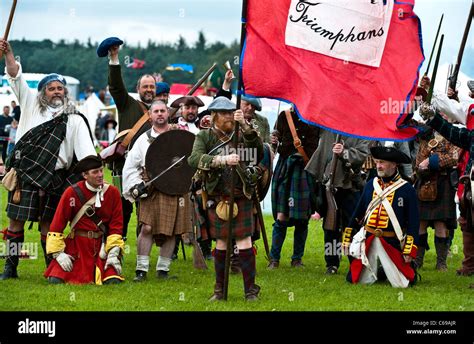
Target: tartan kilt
x=293 y=189
x=28 y=208
x=167 y=215
x=444 y=207
x=243 y=223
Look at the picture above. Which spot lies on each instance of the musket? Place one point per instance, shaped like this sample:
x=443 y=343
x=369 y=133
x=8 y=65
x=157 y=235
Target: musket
x=330 y=220
x=233 y=170
x=435 y=71
x=9 y=24
x=198 y=258
x=454 y=77
x=196 y=86
x=434 y=45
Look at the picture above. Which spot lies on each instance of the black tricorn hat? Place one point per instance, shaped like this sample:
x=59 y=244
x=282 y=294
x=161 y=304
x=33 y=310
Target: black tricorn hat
x=390 y=154
x=187 y=100
x=90 y=162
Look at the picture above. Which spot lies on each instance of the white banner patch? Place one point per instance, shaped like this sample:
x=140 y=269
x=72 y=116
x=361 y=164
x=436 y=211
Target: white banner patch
x=354 y=30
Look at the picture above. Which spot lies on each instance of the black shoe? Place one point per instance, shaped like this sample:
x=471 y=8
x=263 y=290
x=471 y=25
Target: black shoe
x=174 y=256
x=331 y=270
x=112 y=281
x=140 y=276
x=160 y=274
x=55 y=280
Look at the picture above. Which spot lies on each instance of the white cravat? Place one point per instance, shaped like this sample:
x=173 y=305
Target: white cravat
x=99 y=194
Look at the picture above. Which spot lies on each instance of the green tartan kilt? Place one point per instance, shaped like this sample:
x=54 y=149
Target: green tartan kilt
x=28 y=208
x=243 y=224
x=293 y=189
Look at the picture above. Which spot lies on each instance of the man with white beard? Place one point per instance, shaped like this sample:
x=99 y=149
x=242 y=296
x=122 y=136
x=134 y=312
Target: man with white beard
x=387 y=215
x=50 y=134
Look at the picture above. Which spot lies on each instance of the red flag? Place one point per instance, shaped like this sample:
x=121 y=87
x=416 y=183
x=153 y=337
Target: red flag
x=136 y=64
x=345 y=65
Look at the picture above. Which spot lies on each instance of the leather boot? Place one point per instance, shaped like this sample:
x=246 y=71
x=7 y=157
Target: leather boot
x=467 y=268
x=11 y=265
x=218 y=293
x=442 y=248
x=47 y=258
x=420 y=256
x=252 y=293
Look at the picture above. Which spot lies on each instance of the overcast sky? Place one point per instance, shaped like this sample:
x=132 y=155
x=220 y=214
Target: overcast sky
x=165 y=20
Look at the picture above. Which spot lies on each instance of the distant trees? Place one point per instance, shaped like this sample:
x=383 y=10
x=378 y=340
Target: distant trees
x=79 y=59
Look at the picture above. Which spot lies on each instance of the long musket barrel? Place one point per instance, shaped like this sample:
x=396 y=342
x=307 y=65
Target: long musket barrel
x=454 y=77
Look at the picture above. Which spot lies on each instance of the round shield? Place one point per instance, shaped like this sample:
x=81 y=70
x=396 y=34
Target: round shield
x=266 y=164
x=166 y=150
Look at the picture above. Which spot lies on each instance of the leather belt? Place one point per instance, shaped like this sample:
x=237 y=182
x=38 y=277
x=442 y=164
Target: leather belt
x=380 y=233
x=88 y=234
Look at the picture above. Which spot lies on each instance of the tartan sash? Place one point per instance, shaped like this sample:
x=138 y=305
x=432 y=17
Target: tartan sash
x=35 y=155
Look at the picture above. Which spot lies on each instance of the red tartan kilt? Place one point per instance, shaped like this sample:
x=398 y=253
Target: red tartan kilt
x=243 y=224
x=85 y=252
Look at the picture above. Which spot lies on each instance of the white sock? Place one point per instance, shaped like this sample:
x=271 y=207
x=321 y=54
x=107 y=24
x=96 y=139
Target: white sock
x=163 y=264
x=143 y=263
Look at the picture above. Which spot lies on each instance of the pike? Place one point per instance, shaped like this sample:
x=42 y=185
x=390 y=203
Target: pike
x=454 y=77
x=435 y=71
x=9 y=24
x=434 y=45
x=233 y=169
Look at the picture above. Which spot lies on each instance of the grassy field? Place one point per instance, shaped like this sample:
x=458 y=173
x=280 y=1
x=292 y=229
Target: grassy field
x=284 y=289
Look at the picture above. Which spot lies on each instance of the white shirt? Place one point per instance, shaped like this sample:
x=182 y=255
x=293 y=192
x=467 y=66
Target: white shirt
x=453 y=109
x=189 y=126
x=77 y=139
x=135 y=164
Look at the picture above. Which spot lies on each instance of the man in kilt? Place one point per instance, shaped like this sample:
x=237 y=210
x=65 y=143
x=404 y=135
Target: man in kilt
x=351 y=154
x=51 y=134
x=436 y=160
x=293 y=196
x=162 y=217
x=129 y=110
x=213 y=157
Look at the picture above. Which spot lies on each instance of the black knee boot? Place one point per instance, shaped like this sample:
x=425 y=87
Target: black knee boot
x=14 y=241
x=47 y=258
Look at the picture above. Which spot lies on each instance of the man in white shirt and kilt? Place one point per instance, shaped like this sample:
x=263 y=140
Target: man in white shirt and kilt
x=51 y=134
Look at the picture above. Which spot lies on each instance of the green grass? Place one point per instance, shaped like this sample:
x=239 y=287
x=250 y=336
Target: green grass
x=284 y=289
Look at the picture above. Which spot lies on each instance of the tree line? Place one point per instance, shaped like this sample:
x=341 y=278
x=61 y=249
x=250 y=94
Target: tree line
x=80 y=60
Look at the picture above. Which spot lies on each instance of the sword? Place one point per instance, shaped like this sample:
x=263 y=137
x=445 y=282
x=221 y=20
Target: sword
x=140 y=189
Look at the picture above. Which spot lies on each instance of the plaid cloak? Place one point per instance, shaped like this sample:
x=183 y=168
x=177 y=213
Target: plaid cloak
x=293 y=189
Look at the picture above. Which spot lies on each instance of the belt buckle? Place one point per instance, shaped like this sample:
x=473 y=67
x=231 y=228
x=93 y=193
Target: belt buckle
x=378 y=232
x=90 y=235
x=89 y=212
x=297 y=143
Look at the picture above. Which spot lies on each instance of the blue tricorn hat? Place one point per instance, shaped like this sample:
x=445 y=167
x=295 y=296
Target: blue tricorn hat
x=50 y=78
x=221 y=104
x=162 y=87
x=254 y=101
x=103 y=49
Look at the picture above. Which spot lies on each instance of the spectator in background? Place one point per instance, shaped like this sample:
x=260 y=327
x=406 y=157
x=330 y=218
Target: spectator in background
x=5 y=120
x=12 y=136
x=16 y=111
x=109 y=132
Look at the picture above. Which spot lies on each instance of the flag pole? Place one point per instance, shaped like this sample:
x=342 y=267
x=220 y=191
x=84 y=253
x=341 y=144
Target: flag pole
x=234 y=144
